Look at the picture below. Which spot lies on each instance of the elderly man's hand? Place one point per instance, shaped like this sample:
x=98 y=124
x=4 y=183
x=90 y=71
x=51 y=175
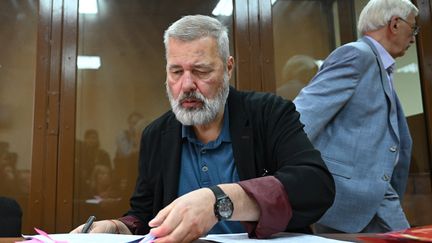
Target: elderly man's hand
x=185 y=219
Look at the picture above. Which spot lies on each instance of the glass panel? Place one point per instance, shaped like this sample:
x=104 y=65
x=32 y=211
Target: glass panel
x=119 y=95
x=18 y=32
x=297 y=56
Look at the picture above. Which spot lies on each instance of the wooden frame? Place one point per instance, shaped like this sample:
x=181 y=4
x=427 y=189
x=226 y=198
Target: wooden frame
x=424 y=50
x=45 y=140
x=66 y=158
x=347 y=21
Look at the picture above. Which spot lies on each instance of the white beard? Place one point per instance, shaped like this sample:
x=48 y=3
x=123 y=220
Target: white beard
x=198 y=116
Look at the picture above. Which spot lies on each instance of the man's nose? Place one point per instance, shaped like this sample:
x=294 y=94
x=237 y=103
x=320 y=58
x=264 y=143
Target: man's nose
x=188 y=82
x=413 y=38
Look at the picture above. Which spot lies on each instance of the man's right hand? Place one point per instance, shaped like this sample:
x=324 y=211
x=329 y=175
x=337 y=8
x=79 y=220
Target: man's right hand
x=105 y=226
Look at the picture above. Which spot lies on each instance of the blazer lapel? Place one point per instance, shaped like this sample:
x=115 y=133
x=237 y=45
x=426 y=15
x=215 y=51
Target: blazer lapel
x=391 y=98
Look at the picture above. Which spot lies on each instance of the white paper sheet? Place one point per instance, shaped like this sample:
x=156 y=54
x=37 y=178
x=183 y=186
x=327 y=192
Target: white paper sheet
x=88 y=238
x=285 y=238
x=225 y=238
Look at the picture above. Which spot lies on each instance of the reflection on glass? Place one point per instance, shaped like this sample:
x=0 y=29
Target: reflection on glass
x=118 y=100
x=18 y=29
x=297 y=56
x=296 y=73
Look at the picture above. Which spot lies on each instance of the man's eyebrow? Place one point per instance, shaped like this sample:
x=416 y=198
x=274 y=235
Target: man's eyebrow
x=198 y=65
x=172 y=66
x=203 y=65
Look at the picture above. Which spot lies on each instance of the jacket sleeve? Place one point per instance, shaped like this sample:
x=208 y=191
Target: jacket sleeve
x=133 y=223
x=272 y=201
x=297 y=165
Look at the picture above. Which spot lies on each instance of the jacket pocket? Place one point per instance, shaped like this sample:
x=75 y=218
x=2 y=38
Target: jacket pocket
x=338 y=168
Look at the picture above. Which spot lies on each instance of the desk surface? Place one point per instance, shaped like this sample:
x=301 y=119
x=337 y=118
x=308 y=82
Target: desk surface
x=9 y=240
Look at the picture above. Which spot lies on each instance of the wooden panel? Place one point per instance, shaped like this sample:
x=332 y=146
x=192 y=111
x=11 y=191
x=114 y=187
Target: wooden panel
x=417 y=199
x=268 y=82
x=45 y=141
x=241 y=45
x=327 y=6
x=246 y=45
x=67 y=118
x=254 y=45
x=347 y=21
x=40 y=104
x=419 y=155
x=424 y=50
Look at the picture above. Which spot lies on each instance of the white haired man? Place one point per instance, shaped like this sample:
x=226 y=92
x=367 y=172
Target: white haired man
x=353 y=116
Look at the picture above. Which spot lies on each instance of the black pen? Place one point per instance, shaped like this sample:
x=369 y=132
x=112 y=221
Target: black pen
x=88 y=224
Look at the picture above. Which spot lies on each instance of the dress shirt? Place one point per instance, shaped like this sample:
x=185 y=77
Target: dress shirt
x=387 y=60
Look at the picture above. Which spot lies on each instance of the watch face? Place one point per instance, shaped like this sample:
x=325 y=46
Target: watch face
x=225 y=208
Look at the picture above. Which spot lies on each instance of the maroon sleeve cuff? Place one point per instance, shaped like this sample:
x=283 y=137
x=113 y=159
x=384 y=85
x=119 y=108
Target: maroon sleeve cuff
x=133 y=223
x=275 y=208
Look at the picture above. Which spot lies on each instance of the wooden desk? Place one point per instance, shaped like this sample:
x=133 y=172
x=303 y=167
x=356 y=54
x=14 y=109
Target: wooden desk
x=10 y=240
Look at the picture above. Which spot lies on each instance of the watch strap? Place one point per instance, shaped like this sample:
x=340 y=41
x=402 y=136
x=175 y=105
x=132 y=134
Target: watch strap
x=217 y=191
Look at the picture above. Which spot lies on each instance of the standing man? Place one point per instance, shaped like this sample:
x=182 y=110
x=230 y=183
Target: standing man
x=221 y=161
x=353 y=116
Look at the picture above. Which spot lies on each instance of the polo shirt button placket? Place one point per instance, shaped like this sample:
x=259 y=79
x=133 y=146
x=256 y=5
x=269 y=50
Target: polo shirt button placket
x=204 y=168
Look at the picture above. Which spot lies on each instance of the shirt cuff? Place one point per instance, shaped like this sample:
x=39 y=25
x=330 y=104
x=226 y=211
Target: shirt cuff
x=133 y=223
x=275 y=208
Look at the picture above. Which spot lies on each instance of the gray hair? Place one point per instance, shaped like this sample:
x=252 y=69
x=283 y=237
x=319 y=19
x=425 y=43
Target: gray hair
x=377 y=13
x=194 y=27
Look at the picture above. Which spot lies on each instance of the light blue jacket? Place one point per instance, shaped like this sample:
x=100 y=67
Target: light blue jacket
x=352 y=117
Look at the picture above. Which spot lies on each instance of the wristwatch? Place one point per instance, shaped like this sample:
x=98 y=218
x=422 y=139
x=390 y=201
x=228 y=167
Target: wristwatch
x=223 y=207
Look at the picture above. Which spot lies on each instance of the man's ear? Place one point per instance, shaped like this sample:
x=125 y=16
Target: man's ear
x=394 y=24
x=230 y=65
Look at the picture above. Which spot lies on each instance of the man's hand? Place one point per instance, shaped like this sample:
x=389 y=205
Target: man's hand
x=105 y=226
x=185 y=219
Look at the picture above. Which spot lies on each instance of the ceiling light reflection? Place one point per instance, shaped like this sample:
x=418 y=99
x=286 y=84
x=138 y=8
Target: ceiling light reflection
x=88 y=7
x=225 y=8
x=88 y=62
x=410 y=68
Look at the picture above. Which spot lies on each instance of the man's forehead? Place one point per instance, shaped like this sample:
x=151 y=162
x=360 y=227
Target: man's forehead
x=200 y=45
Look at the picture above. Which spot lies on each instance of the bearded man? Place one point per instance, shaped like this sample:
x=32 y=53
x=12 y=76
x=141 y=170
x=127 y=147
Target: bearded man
x=221 y=161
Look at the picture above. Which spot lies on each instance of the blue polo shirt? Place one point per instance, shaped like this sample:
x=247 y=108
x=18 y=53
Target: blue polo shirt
x=204 y=165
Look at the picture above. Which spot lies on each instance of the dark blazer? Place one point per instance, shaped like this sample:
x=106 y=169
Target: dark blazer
x=267 y=139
